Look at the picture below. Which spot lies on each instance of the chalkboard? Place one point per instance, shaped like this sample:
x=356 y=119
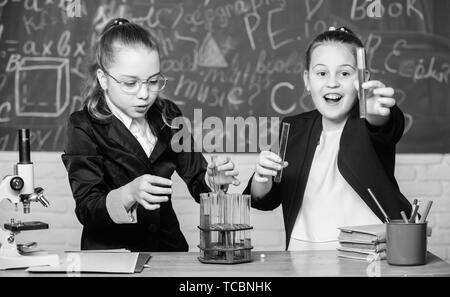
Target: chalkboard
x=224 y=58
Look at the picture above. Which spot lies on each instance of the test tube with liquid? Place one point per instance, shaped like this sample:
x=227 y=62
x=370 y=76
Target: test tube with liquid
x=247 y=241
x=214 y=217
x=220 y=224
x=361 y=65
x=236 y=219
x=283 y=145
x=242 y=234
x=205 y=222
x=228 y=215
x=205 y=210
x=215 y=177
x=220 y=221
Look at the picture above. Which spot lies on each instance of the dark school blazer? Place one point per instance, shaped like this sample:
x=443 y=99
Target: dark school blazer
x=366 y=159
x=103 y=155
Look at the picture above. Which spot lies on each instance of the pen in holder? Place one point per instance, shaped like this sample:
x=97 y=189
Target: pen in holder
x=282 y=153
x=379 y=205
x=361 y=65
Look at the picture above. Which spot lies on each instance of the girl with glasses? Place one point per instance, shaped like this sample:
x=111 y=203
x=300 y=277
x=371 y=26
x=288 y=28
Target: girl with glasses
x=118 y=154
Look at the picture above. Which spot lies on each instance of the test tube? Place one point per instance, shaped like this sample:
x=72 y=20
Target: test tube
x=205 y=221
x=283 y=144
x=242 y=234
x=361 y=65
x=236 y=210
x=247 y=240
x=228 y=224
x=236 y=219
x=214 y=173
x=222 y=239
x=204 y=210
x=216 y=188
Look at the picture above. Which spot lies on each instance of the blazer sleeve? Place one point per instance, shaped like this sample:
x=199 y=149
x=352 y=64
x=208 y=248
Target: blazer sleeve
x=192 y=169
x=272 y=199
x=84 y=165
x=392 y=131
x=191 y=165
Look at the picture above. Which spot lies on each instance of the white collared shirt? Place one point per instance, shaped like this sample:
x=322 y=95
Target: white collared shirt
x=329 y=202
x=138 y=127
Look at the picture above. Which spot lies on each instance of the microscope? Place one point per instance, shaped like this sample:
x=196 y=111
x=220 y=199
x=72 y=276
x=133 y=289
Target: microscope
x=19 y=188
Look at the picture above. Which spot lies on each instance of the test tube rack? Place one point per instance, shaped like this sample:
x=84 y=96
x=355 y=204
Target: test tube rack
x=225 y=228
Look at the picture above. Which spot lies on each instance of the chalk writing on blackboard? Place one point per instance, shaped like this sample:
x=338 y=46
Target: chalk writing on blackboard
x=227 y=58
x=30 y=76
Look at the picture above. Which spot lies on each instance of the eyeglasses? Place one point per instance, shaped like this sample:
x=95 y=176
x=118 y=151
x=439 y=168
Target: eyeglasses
x=132 y=86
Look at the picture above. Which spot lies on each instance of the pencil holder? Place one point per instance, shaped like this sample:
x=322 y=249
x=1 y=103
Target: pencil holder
x=406 y=243
x=225 y=228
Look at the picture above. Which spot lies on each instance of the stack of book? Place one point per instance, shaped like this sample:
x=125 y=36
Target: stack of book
x=365 y=242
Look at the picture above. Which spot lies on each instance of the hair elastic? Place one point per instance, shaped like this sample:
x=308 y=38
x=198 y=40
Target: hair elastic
x=120 y=21
x=342 y=29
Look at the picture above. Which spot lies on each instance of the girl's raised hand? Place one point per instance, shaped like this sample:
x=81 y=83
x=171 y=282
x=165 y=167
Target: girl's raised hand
x=379 y=101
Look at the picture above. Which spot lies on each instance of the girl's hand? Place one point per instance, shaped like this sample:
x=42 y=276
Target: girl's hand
x=148 y=190
x=267 y=165
x=221 y=172
x=379 y=101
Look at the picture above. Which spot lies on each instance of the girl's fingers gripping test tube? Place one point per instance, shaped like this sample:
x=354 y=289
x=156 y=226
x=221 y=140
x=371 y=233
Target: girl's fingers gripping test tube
x=361 y=65
x=283 y=144
x=216 y=178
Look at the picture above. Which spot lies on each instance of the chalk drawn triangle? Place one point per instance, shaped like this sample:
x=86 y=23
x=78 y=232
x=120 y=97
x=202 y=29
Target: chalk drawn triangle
x=209 y=54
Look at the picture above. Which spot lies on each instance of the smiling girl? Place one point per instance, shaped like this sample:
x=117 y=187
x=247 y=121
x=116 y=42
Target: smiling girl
x=118 y=155
x=334 y=156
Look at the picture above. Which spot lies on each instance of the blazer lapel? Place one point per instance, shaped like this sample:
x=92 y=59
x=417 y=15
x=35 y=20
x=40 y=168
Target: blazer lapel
x=161 y=131
x=307 y=142
x=357 y=162
x=119 y=134
x=161 y=145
